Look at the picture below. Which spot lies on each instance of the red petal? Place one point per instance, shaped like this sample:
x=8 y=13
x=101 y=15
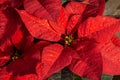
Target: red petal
x=63 y=60
x=90 y=63
x=58 y=28
x=47 y=9
x=6 y=50
x=94 y=8
x=32 y=56
x=22 y=39
x=39 y=28
x=52 y=65
x=49 y=56
x=16 y=3
x=116 y=40
x=2 y=1
x=99 y=28
x=34 y=53
x=73 y=21
x=111 y=58
x=26 y=77
x=20 y=67
x=3 y=59
x=41 y=45
x=4 y=75
x=75 y=7
x=7 y=47
x=10 y=3
x=26 y=64
x=63 y=19
x=9 y=23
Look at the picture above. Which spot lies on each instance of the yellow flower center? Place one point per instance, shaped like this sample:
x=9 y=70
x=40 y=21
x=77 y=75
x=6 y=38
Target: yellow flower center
x=15 y=56
x=68 y=40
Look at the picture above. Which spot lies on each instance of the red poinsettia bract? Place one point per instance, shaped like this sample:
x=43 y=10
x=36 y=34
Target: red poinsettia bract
x=84 y=52
x=80 y=39
x=24 y=57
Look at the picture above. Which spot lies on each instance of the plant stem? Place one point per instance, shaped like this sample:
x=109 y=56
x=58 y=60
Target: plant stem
x=116 y=77
x=66 y=74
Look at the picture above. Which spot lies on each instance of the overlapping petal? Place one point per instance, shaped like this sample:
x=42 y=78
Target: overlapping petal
x=63 y=19
x=111 y=58
x=11 y=3
x=22 y=39
x=72 y=24
x=48 y=20
x=75 y=8
x=103 y=30
x=116 y=40
x=26 y=64
x=49 y=56
x=6 y=51
x=4 y=75
x=90 y=62
x=92 y=8
x=54 y=58
x=9 y=23
x=16 y=3
x=26 y=77
x=99 y=28
x=20 y=67
x=46 y=9
x=40 y=28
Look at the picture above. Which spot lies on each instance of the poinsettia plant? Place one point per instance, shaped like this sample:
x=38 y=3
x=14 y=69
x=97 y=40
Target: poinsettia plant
x=41 y=37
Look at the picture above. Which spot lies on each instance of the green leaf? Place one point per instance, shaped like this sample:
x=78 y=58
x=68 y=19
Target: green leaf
x=106 y=77
x=118 y=34
x=76 y=77
x=85 y=79
x=64 y=1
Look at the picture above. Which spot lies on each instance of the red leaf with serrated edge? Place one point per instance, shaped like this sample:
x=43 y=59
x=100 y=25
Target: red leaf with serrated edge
x=111 y=58
x=89 y=64
x=9 y=23
x=22 y=39
x=99 y=28
x=46 y=9
x=39 y=28
x=49 y=55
